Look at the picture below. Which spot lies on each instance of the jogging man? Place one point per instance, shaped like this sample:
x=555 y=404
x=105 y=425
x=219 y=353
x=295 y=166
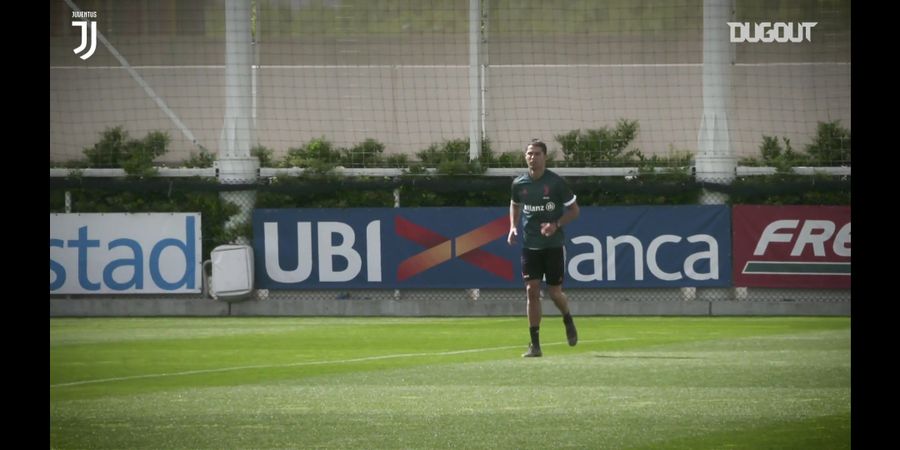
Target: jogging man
x=545 y=204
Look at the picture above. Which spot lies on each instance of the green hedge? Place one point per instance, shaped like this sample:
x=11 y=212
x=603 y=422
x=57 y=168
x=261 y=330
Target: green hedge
x=789 y=189
x=155 y=195
x=457 y=181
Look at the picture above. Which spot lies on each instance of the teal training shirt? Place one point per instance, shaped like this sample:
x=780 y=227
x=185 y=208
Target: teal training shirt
x=542 y=200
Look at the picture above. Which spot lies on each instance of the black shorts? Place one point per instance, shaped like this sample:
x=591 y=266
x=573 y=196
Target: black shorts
x=548 y=264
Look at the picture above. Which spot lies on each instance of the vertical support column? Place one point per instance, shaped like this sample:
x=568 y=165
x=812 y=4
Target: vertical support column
x=715 y=161
x=475 y=129
x=254 y=45
x=234 y=164
x=476 y=94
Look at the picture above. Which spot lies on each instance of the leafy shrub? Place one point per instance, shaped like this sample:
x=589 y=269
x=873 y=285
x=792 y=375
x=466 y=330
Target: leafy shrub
x=397 y=161
x=365 y=154
x=116 y=149
x=264 y=155
x=202 y=160
x=829 y=147
x=318 y=156
x=452 y=157
x=601 y=147
x=783 y=158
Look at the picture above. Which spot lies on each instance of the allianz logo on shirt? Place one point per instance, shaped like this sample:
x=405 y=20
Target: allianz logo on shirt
x=549 y=206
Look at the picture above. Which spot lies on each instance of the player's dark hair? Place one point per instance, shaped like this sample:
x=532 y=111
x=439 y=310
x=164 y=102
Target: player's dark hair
x=537 y=143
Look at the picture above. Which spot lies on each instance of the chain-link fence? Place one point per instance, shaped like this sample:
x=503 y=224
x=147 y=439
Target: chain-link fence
x=76 y=195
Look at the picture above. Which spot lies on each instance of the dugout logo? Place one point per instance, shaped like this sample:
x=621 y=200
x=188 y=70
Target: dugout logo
x=88 y=32
x=767 y=32
x=440 y=249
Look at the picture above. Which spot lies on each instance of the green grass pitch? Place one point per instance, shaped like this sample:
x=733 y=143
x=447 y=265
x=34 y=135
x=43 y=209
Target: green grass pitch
x=631 y=382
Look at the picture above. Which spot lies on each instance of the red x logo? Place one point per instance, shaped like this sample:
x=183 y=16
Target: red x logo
x=440 y=249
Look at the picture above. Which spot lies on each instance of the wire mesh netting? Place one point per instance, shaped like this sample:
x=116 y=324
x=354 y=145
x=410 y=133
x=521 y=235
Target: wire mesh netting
x=393 y=77
x=402 y=84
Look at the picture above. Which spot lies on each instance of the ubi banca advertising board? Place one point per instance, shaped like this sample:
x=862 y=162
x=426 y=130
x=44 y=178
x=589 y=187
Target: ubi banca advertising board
x=616 y=247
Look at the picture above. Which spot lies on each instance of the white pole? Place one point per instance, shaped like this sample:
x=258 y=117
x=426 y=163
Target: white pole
x=715 y=161
x=235 y=165
x=474 y=79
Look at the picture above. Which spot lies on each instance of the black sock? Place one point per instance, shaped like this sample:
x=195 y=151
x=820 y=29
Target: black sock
x=535 y=338
x=567 y=318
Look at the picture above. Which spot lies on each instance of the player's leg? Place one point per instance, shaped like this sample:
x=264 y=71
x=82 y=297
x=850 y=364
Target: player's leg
x=555 y=274
x=562 y=303
x=532 y=273
x=533 y=291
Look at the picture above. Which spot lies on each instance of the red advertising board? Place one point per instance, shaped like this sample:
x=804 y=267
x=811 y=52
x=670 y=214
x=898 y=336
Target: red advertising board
x=791 y=246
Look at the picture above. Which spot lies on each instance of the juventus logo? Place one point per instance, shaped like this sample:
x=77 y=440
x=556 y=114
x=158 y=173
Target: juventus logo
x=84 y=37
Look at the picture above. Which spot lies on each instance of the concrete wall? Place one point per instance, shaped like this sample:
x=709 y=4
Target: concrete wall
x=409 y=108
x=411 y=90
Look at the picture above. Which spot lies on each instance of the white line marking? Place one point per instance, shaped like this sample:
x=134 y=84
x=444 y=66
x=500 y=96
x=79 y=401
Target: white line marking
x=315 y=363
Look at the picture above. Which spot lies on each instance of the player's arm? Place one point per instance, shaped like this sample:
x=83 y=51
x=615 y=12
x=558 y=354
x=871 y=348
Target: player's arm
x=571 y=213
x=571 y=210
x=515 y=211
